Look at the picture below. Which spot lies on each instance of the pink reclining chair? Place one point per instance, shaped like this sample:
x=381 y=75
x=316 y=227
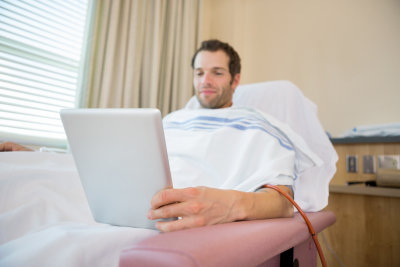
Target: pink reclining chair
x=272 y=242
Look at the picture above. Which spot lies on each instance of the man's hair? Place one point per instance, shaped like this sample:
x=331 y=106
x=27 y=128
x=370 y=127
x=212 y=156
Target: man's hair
x=215 y=45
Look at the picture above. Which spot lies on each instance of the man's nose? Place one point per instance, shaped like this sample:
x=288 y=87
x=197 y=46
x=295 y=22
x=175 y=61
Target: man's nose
x=206 y=79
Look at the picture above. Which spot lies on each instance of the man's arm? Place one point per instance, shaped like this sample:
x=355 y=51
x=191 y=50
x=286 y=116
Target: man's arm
x=9 y=146
x=200 y=206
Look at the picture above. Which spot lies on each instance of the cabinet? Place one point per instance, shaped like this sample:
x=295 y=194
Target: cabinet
x=367 y=229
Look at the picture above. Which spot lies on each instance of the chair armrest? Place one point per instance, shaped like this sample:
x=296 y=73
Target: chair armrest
x=245 y=243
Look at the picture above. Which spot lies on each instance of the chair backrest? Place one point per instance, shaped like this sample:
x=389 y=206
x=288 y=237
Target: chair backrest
x=286 y=102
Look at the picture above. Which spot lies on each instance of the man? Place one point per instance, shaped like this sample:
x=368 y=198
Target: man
x=216 y=75
x=206 y=189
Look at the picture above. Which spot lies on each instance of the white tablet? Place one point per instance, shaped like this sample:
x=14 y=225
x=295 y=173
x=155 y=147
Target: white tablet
x=121 y=159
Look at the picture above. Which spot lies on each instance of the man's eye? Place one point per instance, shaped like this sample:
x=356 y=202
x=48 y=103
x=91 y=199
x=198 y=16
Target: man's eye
x=199 y=73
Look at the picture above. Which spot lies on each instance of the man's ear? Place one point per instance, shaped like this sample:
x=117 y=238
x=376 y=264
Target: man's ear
x=235 y=81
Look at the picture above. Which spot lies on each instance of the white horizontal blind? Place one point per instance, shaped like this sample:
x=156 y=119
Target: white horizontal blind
x=41 y=54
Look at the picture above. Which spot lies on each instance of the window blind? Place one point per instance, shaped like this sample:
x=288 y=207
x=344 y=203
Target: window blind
x=42 y=48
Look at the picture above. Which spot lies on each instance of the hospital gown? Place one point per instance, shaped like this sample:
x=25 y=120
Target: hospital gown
x=233 y=148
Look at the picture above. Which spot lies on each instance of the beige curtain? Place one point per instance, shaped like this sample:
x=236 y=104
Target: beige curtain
x=141 y=53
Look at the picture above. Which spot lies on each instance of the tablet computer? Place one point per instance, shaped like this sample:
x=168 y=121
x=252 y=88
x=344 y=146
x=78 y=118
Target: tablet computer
x=121 y=159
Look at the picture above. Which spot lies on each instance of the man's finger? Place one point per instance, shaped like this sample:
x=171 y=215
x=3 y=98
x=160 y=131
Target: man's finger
x=184 y=223
x=178 y=209
x=167 y=211
x=169 y=196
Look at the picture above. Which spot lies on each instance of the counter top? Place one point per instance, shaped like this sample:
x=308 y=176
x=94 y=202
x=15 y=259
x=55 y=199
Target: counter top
x=365 y=190
x=366 y=139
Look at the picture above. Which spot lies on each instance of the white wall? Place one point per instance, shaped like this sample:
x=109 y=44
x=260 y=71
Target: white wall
x=343 y=54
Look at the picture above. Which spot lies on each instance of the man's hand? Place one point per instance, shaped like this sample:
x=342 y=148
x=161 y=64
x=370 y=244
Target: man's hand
x=201 y=206
x=198 y=206
x=9 y=146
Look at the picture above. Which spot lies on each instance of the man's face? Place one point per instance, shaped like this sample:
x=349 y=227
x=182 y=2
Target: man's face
x=212 y=81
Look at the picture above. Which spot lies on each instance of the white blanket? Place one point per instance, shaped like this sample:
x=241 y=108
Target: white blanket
x=44 y=216
x=233 y=148
x=45 y=219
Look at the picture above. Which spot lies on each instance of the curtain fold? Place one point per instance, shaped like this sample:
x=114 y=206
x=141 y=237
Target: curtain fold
x=141 y=54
